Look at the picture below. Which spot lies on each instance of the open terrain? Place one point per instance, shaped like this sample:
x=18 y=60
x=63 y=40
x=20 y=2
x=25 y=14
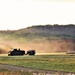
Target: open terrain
x=44 y=39
x=54 y=41
x=63 y=63
x=15 y=70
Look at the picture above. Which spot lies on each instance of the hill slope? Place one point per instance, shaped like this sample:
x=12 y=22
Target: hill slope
x=44 y=39
x=48 y=30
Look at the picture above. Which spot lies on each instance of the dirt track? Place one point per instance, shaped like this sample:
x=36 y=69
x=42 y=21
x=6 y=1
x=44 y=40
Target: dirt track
x=16 y=68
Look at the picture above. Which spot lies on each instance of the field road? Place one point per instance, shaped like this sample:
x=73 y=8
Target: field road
x=17 y=68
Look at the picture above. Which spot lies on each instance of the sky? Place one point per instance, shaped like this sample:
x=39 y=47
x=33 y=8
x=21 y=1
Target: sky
x=17 y=14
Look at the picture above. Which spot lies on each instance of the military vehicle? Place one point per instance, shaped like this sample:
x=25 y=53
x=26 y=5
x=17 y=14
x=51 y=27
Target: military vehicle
x=31 y=52
x=16 y=52
x=70 y=52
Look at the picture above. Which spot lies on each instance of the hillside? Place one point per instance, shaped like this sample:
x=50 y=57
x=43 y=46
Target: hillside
x=48 y=30
x=42 y=38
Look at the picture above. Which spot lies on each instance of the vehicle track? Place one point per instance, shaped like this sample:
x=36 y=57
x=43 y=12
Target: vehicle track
x=17 y=68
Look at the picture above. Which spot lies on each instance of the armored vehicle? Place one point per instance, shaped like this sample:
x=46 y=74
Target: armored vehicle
x=31 y=52
x=16 y=52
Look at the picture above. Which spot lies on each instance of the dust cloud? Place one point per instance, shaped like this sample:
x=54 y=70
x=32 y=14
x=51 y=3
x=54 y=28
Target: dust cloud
x=40 y=45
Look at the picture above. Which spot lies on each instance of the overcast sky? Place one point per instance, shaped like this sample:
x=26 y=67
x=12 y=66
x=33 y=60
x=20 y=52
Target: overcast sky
x=16 y=14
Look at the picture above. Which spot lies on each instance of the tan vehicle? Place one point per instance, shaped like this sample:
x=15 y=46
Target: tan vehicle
x=70 y=52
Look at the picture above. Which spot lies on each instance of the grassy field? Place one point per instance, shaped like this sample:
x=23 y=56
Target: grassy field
x=64 y=62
